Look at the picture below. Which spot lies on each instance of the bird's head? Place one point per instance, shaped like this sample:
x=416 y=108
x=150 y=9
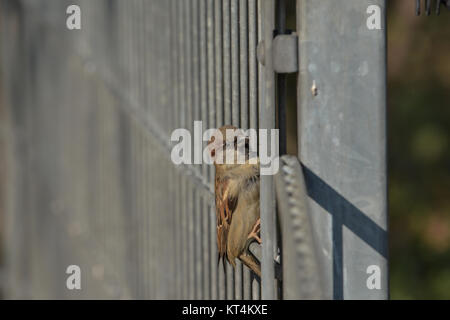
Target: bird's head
x=229 y=147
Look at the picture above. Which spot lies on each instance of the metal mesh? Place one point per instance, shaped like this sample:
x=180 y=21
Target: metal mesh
x=90 y=112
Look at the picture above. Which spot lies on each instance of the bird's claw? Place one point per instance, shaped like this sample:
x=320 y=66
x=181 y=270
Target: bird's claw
x=254 y=234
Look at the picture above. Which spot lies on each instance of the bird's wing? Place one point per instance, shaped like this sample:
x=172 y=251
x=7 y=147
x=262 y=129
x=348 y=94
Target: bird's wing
x=225 y=206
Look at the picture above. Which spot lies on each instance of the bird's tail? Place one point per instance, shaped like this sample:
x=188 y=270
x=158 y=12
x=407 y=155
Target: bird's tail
x=221 y=257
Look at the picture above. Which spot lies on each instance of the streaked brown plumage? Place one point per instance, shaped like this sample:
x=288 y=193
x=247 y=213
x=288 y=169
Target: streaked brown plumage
x=237 y=202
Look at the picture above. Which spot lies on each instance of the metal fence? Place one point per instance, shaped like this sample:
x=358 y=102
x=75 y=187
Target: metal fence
x=88 y=118
x=93 y=113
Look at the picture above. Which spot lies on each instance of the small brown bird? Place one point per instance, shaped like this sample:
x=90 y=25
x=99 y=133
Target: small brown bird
x=237 y=198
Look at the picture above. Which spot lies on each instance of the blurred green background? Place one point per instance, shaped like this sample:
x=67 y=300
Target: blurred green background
x=418 y=153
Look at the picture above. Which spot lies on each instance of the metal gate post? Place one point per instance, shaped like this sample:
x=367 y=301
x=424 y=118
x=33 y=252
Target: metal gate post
x=267 y=121
x=342 y=142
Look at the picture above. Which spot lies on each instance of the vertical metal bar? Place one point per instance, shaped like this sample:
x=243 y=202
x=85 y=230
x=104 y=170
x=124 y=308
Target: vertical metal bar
x=152 y=109
x=235 y=71
x=235 y=110
x=226 y=36
x=196 y=58
x=256 y=285
x=247 y=284
x=166 y=249
x=159 y=236
x=171 y=126
x=178 y=237
x=189 y=124
x=253 y=63
x=151 y=83
x=128 y=202
x=135 y=176
x=167 y=85
x=428 y=7
x=195 y=49
x=243 y=62
x=212 y=123
x=129 y=50
x=267 y=121
x=158 y=228
x=196 y=109
x=229 y=281
x=184 y=230
x=131 y=234
x=181 y=107
x=142 y=227
x=228 y=109
x=219 y=103
x=174 y=53
x=143 y=54
x=254 y=83
x=176 y=123
x=181 y=249
x=218 y=11
x=197 y=250
x=256 y=289
x=146 y=220
x=151 y=222
x=191 y=205
x=342 y=142
x=203 y=66
x=211 y=74
x=188 y=34
x=158 y=111
x=142 y=167
x=183 y=116
x=204 y=272
x=168 y=103
x=163 y=233
x=281 y=80
x=215 y=284
x=182 y=63
x=134 y=54
x=206 y=243
x=281 y=93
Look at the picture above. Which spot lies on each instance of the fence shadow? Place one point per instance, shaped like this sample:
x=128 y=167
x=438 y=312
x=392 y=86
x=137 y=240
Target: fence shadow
x=346 y=214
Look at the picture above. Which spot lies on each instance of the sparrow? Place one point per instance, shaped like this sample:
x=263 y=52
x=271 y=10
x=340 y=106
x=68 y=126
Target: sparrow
x=237 y=198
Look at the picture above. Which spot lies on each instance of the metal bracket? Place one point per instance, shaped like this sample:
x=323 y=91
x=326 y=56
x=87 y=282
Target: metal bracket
x=284 y=53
